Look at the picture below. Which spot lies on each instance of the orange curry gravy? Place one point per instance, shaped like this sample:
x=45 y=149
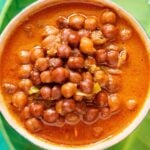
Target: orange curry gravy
x=134 y=78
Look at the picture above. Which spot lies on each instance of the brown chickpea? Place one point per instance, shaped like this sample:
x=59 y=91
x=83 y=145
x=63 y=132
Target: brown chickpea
x=90 y=23
x=45 y=92
x=55 y=62
x=62 y=22
x=86 y=86
x=81 y=108
x=68 y=105
x=33 y=125
x=87 y=76
x=48 y=42
x=56 y=93
x=74 y=39
x=36 y=109
x=36 y=53
x=91 y=114
x=35 y=77
x=42 y=64
x=131 y=104
x=19 y=99
x=75 y=62
x=113 y=84
x=50 y=115
x=108 y=17
x=24 y=71
x=75 y=77
x=101 y=99
x=114 y=102
x=25 y=85
x=24 y=57
x=25 y=114
x=76 y=21
x=59 y=74
x=72 y=118
x=109 y=30
x=49 y=30
x=101 y=77
x=89 y=61
x=76 y=53
x=84 y=33
x=65 y=34
x=45 y=76
x=64 y=51
x=112 y=58
x=9 y=88
x=68 y=89
x=125 y=34
x=86 y=46
x=101 y=56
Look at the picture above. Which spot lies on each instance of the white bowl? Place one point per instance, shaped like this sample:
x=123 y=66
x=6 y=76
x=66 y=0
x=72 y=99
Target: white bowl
x=37 y=6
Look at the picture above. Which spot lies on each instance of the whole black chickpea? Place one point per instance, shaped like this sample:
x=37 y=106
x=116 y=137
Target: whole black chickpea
x=109 y=30
x=101 y=99
x=33 y=125
x=62 y=22
x=50 y=115
x=24 y=71
x=36 y=109
x=24 y=57
x=101 y=56
x=45 y=92
x=75 y=77
x=45 y=76
x=86 y=86
x=9 y=88
x=75 y=62
x=68 y=89
x=55 y=62
x=25 y=85
x=42 y=64
x=56 y=92
x=65 y=34
x=19 y=99
x=84 y=33
x=59 y=74
x=87 y=76
x=91 y=114
x=108 y=17
x=64 y=51
x=36 y=52
x=113 y=85
x=68 y=105
x=112 y=58
x=76 y=21
x=26 y=114
x=74 y=39
x=90 y=23
x=35 y=77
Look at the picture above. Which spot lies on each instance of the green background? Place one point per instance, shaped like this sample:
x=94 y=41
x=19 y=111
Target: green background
x=138 y=140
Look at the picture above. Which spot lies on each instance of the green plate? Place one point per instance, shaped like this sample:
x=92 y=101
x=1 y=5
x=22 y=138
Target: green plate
x=138 y=140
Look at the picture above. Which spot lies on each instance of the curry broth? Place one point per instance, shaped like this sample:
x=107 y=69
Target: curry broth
x=135 y=75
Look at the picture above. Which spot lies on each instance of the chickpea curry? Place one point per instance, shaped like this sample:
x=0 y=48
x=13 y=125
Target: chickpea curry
x=75 y=73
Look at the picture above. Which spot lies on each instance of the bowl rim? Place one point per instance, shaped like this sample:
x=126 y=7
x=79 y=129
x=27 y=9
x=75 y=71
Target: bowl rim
x=103 y=144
